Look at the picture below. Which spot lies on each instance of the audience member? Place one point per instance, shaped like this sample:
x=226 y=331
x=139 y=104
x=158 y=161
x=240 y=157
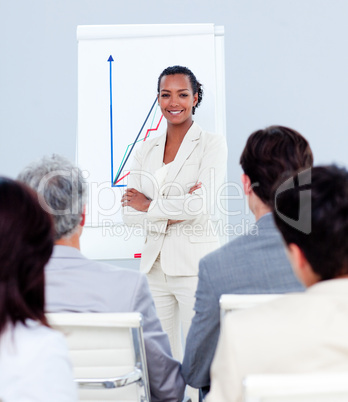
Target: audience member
x=302 y=332
x=77 y=284
x=253 y=263
x=34 y=363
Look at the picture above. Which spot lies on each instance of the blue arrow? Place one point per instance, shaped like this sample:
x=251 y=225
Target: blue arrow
x=110 y=60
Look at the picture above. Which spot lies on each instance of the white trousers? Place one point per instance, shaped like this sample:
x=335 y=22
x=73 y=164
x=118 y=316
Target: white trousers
x=174 y=298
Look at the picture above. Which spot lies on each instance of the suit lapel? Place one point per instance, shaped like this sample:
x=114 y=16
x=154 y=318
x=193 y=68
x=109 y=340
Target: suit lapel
x=158 y=152
x=188 y=144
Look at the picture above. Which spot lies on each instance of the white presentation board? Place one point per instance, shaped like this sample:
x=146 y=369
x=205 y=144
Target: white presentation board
x=118 y=68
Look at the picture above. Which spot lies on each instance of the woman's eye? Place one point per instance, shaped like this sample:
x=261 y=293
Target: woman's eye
x=183 y=95
x=164 y=96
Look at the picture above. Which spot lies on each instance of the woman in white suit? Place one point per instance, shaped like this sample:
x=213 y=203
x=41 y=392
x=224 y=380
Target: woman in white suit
x=172 y=192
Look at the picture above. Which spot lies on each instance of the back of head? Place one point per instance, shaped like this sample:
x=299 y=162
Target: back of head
x=311 y=211
x=271 y=153
x=63 y=189
x=26 y=243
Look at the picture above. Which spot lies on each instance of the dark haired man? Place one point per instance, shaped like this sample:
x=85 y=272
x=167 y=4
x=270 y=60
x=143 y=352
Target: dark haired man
x=301 y=332
x=254 y=263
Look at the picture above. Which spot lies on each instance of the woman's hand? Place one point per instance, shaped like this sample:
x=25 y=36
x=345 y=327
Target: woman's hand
x=135 y=199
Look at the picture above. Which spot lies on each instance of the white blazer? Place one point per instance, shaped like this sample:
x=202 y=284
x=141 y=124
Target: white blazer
x=35 y=365
x=298 y=333
x=202 y=157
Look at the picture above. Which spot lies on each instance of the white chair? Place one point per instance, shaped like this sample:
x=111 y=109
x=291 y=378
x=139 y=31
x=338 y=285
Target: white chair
x=319 y=387
x=108 y=355
x=230 y=302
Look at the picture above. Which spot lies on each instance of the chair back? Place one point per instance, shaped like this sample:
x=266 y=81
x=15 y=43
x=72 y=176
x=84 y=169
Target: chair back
x=108 y=355
x=231 y=302
x=318 y=387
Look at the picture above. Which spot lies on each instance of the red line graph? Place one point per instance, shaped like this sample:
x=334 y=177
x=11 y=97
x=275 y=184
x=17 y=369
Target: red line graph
x=122 y=177
x=146 y=136
x=153 y=129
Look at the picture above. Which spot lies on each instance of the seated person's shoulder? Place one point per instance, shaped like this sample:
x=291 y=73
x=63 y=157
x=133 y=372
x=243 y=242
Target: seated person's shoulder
x=33 y=339
x=130 y=275
x=280 y=310
x=230 y=251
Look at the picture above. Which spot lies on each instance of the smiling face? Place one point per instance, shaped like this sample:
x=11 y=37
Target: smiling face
x=176 y=99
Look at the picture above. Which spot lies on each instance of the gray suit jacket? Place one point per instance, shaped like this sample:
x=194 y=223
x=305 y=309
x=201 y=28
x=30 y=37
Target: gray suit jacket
x=254 y=263
x=76 y=284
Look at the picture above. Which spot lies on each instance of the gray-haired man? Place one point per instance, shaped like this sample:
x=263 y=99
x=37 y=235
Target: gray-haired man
x=77 y=284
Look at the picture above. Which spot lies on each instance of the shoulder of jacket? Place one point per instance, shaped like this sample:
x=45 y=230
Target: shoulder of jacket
x=227 y=251
x=211 y=138
x=152 y=142
x=117 y=271
x=147 y=146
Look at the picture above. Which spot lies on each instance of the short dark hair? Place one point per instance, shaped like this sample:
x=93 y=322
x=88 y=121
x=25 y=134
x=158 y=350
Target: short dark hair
x=270 y=153
x=325 y=194
x=26 y=243
x=195 y=84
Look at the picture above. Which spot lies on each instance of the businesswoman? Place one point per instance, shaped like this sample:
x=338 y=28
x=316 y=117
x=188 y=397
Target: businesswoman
x=172 y=192
x=34 y=364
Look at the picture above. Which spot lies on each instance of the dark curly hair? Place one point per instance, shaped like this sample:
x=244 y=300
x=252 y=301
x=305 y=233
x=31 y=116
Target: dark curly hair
x=195 y=84
x=26 y=243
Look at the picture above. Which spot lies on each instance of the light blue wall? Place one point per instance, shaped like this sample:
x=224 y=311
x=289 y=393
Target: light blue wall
x=286 y=63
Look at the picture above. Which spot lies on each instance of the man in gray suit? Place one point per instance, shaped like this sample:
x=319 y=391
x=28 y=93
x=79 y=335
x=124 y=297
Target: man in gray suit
x=253 y=263
x=76 y=284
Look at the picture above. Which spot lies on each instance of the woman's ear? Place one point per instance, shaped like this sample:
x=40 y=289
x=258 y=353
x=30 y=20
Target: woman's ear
x=195 y=99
